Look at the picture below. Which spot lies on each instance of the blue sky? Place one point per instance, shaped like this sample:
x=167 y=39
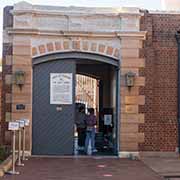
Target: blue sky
x=147 y=4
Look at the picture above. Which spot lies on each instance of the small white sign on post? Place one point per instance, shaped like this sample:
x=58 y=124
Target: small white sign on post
x=21 y=123
x=26 y=122
x=13 y=126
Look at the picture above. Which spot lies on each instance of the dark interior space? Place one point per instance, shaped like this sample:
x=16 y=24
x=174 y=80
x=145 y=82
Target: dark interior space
x=105 y=74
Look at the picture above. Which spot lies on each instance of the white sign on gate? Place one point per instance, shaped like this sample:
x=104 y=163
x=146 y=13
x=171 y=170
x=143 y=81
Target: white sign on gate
x=61 y=88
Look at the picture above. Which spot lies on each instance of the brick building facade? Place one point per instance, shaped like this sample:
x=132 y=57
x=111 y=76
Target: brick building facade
x=161 y=72
x=142 y=42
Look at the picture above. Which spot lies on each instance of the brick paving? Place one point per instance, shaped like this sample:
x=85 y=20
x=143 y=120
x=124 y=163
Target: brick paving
x=83 y=169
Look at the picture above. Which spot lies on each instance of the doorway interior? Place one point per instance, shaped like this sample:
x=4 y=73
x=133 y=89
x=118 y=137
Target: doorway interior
x=96 y=87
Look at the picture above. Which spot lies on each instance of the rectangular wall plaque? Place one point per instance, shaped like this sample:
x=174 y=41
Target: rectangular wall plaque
x=20 y=107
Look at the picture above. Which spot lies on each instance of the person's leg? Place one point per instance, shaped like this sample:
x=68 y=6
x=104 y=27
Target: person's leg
x=87 y=141
x=78 y=131
x=93 y=140
x=80 y=137
x=83 y=137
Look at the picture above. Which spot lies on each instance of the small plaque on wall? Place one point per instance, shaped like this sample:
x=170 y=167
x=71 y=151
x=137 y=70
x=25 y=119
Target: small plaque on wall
x=20 y=107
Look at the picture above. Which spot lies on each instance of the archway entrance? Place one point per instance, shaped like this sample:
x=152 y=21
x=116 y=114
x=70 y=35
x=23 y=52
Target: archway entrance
x=54 y=102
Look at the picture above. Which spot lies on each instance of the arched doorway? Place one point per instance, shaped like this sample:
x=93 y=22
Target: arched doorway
x=54 y=104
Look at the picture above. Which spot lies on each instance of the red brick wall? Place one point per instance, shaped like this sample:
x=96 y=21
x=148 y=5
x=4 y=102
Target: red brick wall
x=6 y=70
x=160 y=52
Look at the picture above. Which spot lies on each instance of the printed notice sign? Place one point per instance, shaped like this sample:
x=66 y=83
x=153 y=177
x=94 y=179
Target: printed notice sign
x=107 y=119
x=13 y=126
x=61 y=88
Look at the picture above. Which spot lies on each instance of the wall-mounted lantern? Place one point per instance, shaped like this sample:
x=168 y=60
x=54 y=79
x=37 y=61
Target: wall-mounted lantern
x=130 y=79
x=19 y=78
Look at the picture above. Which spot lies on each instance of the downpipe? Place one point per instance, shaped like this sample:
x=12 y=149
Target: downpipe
x=178 y=90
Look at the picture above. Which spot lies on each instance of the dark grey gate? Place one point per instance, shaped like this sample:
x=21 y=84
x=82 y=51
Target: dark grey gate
x=53 y=130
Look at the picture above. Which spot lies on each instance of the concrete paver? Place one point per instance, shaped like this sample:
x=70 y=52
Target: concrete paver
x=165 y=166
x=83 y=169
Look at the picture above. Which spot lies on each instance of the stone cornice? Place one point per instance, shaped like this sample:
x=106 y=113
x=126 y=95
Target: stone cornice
x=138 y=35
x=74 y=14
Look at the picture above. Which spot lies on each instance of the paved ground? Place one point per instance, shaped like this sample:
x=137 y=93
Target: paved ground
x=83 y=169
x=168 y=167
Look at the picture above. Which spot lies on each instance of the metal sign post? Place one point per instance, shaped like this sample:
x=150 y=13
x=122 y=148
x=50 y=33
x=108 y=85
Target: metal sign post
x=26 y=123
x=21 y=124
x=13 y=126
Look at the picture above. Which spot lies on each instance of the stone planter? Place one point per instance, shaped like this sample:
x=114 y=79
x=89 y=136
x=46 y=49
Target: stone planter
x=6 y=165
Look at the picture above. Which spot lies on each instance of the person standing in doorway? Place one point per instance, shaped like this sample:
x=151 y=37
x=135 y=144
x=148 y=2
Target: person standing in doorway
x=81 y=127
x=90 y=130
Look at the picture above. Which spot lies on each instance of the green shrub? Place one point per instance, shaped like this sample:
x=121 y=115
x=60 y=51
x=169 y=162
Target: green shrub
x=4 y=152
